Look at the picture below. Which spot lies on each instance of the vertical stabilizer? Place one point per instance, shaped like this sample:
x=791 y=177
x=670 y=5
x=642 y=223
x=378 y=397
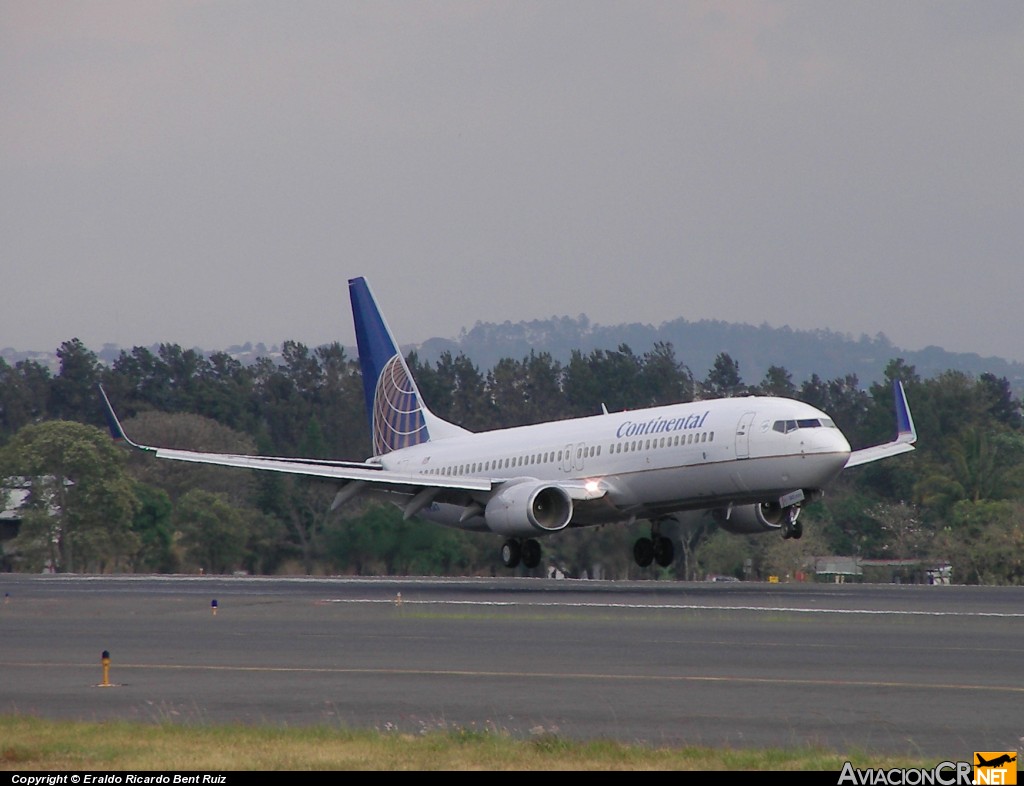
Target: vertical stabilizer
x=398 y=416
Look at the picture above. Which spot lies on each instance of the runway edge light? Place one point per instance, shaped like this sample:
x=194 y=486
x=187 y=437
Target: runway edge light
x=105 y=661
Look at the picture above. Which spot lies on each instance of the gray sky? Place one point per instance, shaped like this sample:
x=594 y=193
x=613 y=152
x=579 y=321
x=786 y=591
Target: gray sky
x=209 y=173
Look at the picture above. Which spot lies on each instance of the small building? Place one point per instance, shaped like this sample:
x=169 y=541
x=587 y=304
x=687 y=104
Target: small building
x=838 y=570
x=882 y=571
x=10 y=520
x=16 y=491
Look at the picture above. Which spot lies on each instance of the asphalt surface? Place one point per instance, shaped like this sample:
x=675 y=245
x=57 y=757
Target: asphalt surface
x=933 y=671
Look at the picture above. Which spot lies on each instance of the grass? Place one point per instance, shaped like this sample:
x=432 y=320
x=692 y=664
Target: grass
x=30 y=743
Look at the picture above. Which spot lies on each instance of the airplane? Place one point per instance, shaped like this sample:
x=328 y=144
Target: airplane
x=751 y=462
x=999 y=761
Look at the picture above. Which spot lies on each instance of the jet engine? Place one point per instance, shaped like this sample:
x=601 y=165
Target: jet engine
x=527 y=509
x=749 y=519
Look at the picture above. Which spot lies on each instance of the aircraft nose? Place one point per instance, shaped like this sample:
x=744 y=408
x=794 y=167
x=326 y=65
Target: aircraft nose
x=826 y=440
x=840 y=445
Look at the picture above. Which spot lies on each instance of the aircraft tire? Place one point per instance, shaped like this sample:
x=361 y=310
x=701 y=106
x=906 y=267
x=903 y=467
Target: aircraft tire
x=664 y=551
x=510 y=553
x=643 y=552
x=531 y=553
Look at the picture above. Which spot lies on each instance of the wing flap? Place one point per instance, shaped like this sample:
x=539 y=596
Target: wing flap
x=371 y=473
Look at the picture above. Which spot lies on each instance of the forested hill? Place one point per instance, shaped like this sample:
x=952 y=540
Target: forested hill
x=801 y=352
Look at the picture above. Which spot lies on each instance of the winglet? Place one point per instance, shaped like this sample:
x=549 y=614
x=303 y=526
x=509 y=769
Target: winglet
x=116 y=430
x=906 y=433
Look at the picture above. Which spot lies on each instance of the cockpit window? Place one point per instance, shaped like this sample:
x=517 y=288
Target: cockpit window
x=786 y=426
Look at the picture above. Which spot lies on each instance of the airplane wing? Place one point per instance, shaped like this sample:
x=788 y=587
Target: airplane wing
x=368 y=473
x=906 y=434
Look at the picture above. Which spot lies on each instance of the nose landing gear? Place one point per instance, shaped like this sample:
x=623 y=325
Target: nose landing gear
x=791 y=527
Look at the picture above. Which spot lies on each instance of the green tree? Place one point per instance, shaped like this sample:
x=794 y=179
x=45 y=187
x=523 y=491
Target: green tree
x=525 y=391
x=359 y=543
x=213 y=531
x=984 y=542
x=906 y=535
x=1001 y=403
x=73 y=392
x=663 y=379
x=139 y=381
x=189 y=432
x=724 y=554
x=184 y=369
x=468 y=403
x=976 y=465
x=224 y=392
x=612 y=378
x=24 y=390
x=723 y=379
x=152 y=524
x=82 y=498
x=263 y=552
x=436 y=391
x=339 y=406
x=789 y=559
x=777 y=382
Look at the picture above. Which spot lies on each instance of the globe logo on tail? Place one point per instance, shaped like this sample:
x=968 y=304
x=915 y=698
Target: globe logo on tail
x=397 y=415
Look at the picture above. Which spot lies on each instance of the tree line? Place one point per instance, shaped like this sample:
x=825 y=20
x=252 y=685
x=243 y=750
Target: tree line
x=93 y=506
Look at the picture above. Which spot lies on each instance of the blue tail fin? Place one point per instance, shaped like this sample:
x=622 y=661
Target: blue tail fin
x=398 y=416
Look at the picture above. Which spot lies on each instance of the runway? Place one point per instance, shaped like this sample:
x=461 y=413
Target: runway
x=933 y=671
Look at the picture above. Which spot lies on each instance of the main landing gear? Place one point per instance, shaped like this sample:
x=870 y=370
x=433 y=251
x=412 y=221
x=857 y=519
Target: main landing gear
x=515 y=551
x=656 y=548
x=791 y=527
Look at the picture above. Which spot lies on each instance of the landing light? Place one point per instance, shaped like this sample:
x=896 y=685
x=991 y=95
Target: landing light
x=592 y=486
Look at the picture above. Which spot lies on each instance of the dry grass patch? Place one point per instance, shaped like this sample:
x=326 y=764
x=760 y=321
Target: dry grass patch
x=30 y=743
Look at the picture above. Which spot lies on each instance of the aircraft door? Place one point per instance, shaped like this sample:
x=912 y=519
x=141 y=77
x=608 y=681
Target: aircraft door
x=743 y=435
x=567 y=459
x=573 y=457
x=579 y=456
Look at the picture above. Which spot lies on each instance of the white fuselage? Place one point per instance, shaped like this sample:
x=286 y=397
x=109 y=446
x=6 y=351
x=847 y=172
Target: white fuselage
x=650 y=462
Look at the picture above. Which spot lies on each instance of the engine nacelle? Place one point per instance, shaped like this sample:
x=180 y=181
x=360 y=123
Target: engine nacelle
x=749 y=519
x=528 y=509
